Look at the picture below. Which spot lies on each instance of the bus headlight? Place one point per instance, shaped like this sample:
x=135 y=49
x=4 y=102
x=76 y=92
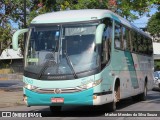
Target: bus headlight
x=91 y=84
x=30 y=87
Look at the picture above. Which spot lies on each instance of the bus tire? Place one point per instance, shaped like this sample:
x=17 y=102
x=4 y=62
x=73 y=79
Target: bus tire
x=111 y=107
x=143 y=96
x=54 y=109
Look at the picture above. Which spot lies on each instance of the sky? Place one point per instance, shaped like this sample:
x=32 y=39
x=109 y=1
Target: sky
x=143 y=20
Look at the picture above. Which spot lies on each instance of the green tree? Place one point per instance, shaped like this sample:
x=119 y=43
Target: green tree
x=7 y=13
x=13 y=10
x=153 y=26
x=125 y=8
x=5 y=38
x=40 y=7
x=10 y=10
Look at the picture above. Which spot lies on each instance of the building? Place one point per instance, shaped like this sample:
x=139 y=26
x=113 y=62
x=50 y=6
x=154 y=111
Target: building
x=156 y=50
x=11 y=54
x=12 y=60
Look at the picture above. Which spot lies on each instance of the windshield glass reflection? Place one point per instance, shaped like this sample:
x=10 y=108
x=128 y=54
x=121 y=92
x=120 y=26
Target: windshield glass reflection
x=47 y=48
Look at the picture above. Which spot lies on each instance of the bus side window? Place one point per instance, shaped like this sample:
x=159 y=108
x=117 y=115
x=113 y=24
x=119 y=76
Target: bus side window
x=150 y=47
x=145 y=45
x=126 y=39
x=134 y=41
x=106 y=41
x=139 y=45
x=118 y=36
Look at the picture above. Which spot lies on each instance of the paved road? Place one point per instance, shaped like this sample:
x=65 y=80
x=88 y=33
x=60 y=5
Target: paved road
x=90 y=113
x=11 y=84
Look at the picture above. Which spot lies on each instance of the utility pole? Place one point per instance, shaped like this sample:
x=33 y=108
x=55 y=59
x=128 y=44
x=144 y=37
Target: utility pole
x=24 y=12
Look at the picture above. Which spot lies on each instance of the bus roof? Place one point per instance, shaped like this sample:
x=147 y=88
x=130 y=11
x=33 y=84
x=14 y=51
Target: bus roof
x=82 y=15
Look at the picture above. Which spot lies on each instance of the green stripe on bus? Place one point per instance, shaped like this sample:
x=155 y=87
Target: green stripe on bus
x=131 y=68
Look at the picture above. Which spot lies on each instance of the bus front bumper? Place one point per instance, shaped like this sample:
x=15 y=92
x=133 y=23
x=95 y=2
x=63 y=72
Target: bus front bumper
x=32 y=98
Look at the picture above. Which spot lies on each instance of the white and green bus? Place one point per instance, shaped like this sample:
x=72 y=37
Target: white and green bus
x=85 y=57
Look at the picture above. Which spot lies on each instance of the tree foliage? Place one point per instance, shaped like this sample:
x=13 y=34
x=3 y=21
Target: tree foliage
x=5 y=38
x=125 y=8
x=153 y=25
x=12 y=10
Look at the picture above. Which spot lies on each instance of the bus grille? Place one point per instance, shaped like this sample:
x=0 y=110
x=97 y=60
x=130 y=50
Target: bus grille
x=58 y=91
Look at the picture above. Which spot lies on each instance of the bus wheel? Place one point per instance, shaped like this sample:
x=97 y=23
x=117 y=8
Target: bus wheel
x=111 y=107
x=143 y=96
x=54 y=109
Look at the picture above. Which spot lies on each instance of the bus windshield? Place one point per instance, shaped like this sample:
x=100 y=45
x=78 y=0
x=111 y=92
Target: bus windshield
x=61 y=49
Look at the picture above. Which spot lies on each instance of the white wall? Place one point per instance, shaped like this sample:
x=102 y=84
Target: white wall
x=156 y=48
x=11 y=54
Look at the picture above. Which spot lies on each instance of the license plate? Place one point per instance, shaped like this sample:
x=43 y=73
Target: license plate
x=57 y=100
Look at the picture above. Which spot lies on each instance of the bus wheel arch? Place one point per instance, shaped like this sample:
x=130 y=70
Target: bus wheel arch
x=143 y=96
x=117 y=90
x=145 y=89
x=146 y=81
x=116 y=95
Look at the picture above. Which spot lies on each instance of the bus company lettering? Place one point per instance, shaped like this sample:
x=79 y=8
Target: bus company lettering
x=29 y=81
x=56 y=77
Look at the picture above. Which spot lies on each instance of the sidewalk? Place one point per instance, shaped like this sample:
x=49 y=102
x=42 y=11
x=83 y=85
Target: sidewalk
x=11 y=93
x=11 y=98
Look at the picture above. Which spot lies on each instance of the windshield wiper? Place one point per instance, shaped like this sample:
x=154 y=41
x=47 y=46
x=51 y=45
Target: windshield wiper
x=70 y=64
x=46 y=65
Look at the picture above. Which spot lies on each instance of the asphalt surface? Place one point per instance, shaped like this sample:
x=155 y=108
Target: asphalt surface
x=10 y=85
x=152 y=104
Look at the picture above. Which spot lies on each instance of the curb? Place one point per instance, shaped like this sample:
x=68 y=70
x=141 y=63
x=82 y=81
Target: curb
x=12 y=89
x=11 y=76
